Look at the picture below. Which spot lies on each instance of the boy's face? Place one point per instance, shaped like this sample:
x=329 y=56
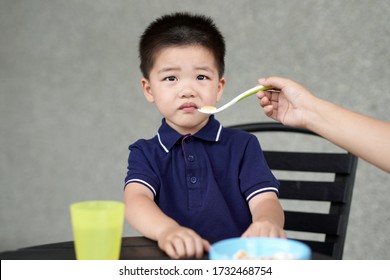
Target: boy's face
x=182 y=80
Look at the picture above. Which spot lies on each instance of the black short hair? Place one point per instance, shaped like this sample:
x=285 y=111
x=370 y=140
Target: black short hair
x=180 y=29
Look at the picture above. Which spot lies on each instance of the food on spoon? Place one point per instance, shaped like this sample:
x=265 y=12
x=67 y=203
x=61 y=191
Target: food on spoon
x=208 y=108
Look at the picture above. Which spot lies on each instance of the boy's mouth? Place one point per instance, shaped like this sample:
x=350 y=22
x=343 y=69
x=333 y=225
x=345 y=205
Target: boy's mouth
x=188 y=107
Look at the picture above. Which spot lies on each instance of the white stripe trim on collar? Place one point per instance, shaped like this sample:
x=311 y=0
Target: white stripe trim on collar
x=162 y=145
x=260 y=191
x=219 y=133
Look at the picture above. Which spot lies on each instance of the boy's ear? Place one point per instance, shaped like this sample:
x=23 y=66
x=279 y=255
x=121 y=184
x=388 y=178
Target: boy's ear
x=147 y=90
x=221 y=86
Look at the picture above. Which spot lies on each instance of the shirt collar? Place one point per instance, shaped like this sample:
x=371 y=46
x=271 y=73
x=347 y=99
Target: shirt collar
x=167 y=136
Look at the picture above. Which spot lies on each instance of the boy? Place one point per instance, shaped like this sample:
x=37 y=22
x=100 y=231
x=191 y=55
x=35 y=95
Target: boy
x=195 y=181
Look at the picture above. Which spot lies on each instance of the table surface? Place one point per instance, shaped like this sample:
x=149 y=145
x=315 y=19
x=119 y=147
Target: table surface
x=133 y=248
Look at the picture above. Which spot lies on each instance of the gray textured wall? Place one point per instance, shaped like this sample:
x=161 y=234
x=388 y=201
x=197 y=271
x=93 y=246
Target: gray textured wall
x=71 y=102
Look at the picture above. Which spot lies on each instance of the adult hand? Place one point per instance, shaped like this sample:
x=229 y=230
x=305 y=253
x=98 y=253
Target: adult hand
x=288 y=103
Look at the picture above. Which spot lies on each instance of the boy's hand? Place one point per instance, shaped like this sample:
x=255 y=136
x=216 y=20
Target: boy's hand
x=181 y=242
x=264 y=229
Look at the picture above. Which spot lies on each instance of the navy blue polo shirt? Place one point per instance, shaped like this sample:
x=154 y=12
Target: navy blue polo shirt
x=203 y=181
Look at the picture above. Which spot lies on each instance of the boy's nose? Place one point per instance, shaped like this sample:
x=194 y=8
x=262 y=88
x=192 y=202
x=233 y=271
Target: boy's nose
x=187 y=92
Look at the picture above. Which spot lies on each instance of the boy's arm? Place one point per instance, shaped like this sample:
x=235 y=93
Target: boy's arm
x=267 y=216
x=145 y=216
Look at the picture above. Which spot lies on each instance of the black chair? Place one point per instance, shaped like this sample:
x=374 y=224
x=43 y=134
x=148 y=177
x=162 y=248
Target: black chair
x=324 y=232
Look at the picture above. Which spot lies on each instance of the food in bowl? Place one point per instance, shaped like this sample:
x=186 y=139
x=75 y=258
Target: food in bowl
x=243 y=255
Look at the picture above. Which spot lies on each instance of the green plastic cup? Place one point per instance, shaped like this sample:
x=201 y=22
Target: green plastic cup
x=97 y=229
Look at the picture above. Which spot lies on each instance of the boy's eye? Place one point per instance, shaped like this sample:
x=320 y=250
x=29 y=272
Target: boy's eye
x=202 y=77
x=170 y=79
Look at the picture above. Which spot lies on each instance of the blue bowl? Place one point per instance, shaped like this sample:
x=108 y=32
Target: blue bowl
x=259 y=248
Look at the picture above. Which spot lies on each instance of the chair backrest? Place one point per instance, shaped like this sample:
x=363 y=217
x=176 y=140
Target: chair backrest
x=324 y=232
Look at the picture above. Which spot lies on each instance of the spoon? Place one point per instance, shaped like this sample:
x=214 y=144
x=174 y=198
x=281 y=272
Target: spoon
x=249 y=92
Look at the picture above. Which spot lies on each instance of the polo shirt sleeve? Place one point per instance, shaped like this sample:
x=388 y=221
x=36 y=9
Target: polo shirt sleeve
x=255 y=175
x=140 y=169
